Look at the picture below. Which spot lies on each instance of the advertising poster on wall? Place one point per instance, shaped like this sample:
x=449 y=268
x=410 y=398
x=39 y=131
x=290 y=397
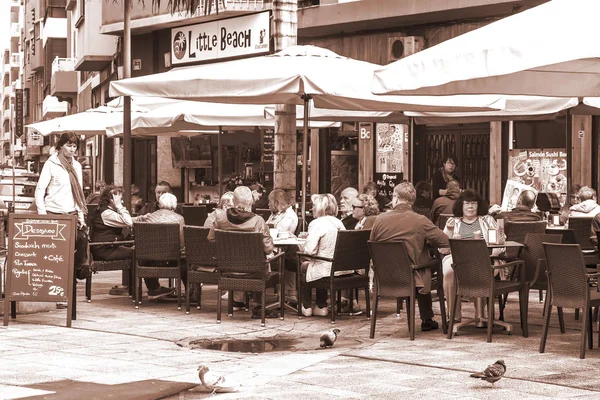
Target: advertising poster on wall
x=388 y=158
x=541 y=169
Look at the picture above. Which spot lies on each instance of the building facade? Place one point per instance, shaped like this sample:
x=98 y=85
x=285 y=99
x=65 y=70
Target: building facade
x=73 y=50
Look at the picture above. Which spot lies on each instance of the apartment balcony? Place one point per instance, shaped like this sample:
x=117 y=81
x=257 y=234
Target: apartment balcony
x=15 y=5
x=54 y=28
x=36 y=60
x=52 y=108
x=71 y=4
x=15 y=61
x=6 y=115
x=144 y=18
x=15 y=32
x=64 y=78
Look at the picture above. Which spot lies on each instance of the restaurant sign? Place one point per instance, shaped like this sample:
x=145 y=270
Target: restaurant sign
x=227 y=38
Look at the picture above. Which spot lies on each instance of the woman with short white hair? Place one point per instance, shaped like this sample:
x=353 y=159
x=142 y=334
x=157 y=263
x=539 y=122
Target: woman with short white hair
x=322 y=236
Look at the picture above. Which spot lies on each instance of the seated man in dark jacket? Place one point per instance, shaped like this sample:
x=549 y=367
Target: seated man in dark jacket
x=522 y=211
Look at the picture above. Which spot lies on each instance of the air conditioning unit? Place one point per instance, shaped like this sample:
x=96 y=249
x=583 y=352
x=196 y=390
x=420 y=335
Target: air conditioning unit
x=403 y=46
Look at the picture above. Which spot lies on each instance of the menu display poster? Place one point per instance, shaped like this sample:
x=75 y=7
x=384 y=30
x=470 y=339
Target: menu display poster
x=388 y=150
x=268 y=146
x=542 y=169
x=40 y=259
x=386 y=183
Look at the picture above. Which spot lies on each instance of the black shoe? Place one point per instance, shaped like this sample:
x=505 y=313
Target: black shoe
x=160 y=293
x=239 y=305
x=429 y=325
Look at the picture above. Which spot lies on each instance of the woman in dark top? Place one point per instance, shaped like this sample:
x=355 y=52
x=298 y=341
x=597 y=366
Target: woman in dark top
x=107 y=225
x=444 y=175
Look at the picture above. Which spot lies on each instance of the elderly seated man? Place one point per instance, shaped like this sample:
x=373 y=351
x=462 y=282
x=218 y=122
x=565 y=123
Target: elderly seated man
x=416 y=231
x=167 y=203
x=346 y=199
x=522 y=211
x=241 y=218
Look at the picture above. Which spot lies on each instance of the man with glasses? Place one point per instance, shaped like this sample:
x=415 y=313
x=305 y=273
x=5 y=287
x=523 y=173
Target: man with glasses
x=416 y=231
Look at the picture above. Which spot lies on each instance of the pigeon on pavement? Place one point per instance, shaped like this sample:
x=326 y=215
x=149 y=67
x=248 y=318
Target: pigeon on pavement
x=493 y=373
x=329 y=337
x=213 y=381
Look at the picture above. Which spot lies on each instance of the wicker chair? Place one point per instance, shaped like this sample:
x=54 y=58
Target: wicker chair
x=518 y=230
x=100 y=266
x=351 y=253
x=194 y=215
x=442 y=220
x=395 y=277
x=241 y=265
x=426 y=211
x=569 y=287
x=200 y=252
x=535 y=260
x=157 y=253
x=582 y=227
x=475 y=280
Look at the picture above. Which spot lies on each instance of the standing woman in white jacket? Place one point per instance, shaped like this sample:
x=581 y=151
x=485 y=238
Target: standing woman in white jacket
x=59 y=189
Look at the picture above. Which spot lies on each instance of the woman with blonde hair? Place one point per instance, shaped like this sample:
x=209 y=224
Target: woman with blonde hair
x=321 y=240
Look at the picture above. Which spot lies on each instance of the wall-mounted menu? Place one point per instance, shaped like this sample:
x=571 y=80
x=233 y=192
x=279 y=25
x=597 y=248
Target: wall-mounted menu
x=40 y=258
x=268 y=145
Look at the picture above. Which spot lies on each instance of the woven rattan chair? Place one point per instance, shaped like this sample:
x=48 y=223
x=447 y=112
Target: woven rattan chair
x=395 y=277
x=582 y=227
x=474 y=274
x=426 y=211
x=157 y=253
x=102 y=266
x=569 y=287
x=242 y=265
x=442 y=220
x=534 y=257
x=201 y=261
x=518 y=230
x=194 y=215
x=351 y=253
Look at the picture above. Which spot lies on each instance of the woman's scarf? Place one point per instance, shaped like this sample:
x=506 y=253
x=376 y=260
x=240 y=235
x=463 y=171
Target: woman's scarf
x=75 y=186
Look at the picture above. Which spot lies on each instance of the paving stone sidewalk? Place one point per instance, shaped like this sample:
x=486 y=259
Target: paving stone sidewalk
x=114 y=348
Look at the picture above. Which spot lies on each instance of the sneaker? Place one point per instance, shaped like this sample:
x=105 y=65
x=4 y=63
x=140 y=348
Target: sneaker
x=429 y=325
x=160 y=293
x=320 y=312
x=238 y=305
x=307 y=312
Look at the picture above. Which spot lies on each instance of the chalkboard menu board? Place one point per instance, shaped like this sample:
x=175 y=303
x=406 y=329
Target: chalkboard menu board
x=40 y=259
x=387 y=181
x=268 y=146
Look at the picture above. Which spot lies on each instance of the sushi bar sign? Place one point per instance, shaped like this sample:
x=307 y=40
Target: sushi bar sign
x=227 y=38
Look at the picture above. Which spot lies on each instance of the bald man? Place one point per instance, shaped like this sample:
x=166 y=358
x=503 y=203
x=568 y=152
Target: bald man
x=522 y=211
x=346 y=199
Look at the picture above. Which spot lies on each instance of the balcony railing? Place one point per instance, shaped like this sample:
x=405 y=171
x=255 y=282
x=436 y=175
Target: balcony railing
x=15 y=29
x=15 y=60
x=15 y=3
x=51 y=107
x=63 y=64
x=308 y=3
x=211 y=7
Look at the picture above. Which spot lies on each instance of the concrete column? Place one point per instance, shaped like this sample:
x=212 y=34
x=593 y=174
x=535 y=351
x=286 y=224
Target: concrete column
x=496 y=162
x=285 y=28
x=581 y=150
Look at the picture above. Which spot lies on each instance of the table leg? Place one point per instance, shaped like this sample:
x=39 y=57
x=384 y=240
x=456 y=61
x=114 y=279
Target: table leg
x=479 y=320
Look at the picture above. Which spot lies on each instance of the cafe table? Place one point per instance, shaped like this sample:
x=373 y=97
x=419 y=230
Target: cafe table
x=282 y=244
x=479 y=320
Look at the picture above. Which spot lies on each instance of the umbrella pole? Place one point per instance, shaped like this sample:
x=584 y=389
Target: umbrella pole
x=306 y=99
x=126 y=106
x=220 y=160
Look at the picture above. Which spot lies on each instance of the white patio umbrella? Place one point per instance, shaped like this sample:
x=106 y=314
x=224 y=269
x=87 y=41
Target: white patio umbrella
x=89 y=123
x=549 y=50
x=329 y=114
x=293 y=76
x=517 y=108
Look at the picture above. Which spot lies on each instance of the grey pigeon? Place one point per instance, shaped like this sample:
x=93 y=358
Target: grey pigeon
x=213 y=381
x=493 y=373
x=329 y=337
